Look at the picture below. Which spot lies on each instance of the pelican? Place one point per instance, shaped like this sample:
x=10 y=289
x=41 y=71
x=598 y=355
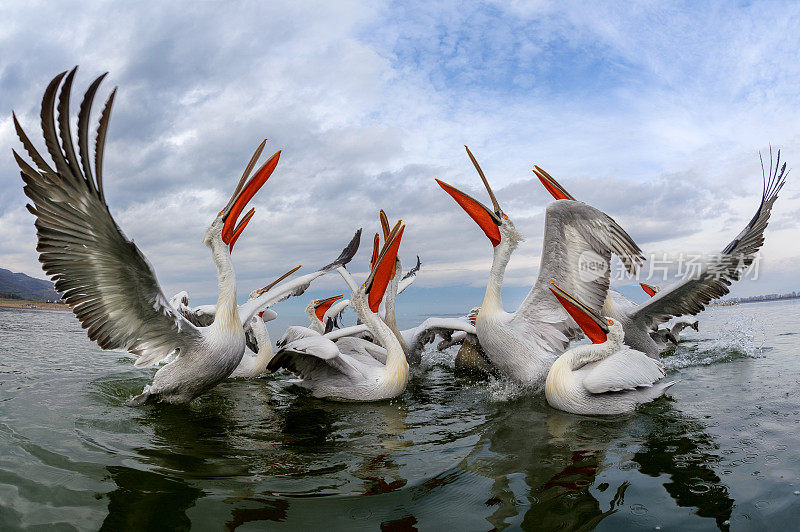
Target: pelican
x=106 y=279
x=329 y=373
x=524 y=344
x=317 y=310
x=416 y=338
x=606 y=376
x=692 y=294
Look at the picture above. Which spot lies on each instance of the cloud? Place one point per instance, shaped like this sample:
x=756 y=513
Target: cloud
x=654 y=114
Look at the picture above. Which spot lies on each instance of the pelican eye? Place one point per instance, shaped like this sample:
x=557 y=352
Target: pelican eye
x=505 y=217
x=611 y=322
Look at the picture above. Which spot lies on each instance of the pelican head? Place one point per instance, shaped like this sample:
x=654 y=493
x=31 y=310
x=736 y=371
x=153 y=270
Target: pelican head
x=225 y=228
x=494 y=222
x=553 y=187
x=320 y=306
x=598 y=329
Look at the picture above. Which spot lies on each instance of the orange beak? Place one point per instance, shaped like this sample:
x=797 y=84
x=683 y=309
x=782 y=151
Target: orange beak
x=245 y=195
x=486 y=219
x=650 y=289
x=552 y=186
x=240 y=227
x=324 y=304
x=590 y=323
x=381 y=274
x=385 y=226
x=375 y=245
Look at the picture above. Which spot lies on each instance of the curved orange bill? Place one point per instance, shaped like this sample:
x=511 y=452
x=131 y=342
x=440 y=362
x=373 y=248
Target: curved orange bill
x=381 y=274
x=650 y=289
x=485 y=218
x=552 y=186
x=324 y=304
x=248 y=191
x=240 y=227
x=589 y=321
x=375 y=244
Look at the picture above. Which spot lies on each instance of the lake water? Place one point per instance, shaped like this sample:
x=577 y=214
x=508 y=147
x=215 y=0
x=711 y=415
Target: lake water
x=722 y=450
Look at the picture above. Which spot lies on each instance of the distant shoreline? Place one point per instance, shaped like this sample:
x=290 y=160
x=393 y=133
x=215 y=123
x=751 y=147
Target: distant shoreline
x=25 y=303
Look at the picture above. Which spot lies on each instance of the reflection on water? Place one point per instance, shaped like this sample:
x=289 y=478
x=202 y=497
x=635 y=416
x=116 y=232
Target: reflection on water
x=678 y=446
x=451 y=452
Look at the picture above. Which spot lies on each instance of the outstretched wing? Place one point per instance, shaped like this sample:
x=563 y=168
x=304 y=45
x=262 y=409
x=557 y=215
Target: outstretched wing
x=691 y=295
x=627 y=369
x=109 y=284
x=298 y=285
x=311 y=358
x=576 y=253
x=426 y=332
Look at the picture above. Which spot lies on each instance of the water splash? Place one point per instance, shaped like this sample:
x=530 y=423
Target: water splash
x=736 y=338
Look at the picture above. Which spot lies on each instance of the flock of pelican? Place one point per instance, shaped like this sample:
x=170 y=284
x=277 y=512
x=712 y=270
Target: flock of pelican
x=113 y=290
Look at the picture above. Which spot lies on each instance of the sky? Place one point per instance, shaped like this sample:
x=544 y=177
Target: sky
x=653 y=112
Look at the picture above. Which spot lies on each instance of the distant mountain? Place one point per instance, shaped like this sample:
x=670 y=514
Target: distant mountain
x=20 y=286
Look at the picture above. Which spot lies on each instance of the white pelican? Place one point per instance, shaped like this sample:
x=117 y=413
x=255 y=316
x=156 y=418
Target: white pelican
x=106 y=279
x=692 y=294
x=329 y=373
x=416 y=338
x=606 y=376
x=524 y=344
x=317 y=310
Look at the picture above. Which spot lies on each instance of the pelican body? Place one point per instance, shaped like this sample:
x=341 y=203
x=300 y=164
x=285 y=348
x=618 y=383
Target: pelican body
x=606 y=376
x=107 y=281
x=330 y=373
x=692 y=294
x=524 y=344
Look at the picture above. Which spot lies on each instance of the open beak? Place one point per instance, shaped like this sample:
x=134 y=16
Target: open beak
x=271 y=285
x=245 y=191
x=594 y=326
x=552 y=186
x=385 y=226
x=487 y=220
x=650 y=289
x=240 y=227
x=381 y=274
x=324 y=304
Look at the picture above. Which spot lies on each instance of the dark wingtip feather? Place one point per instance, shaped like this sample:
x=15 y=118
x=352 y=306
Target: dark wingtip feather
x=414 y=270
x=100 y=142
x=84 y=113
x=347 y=253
